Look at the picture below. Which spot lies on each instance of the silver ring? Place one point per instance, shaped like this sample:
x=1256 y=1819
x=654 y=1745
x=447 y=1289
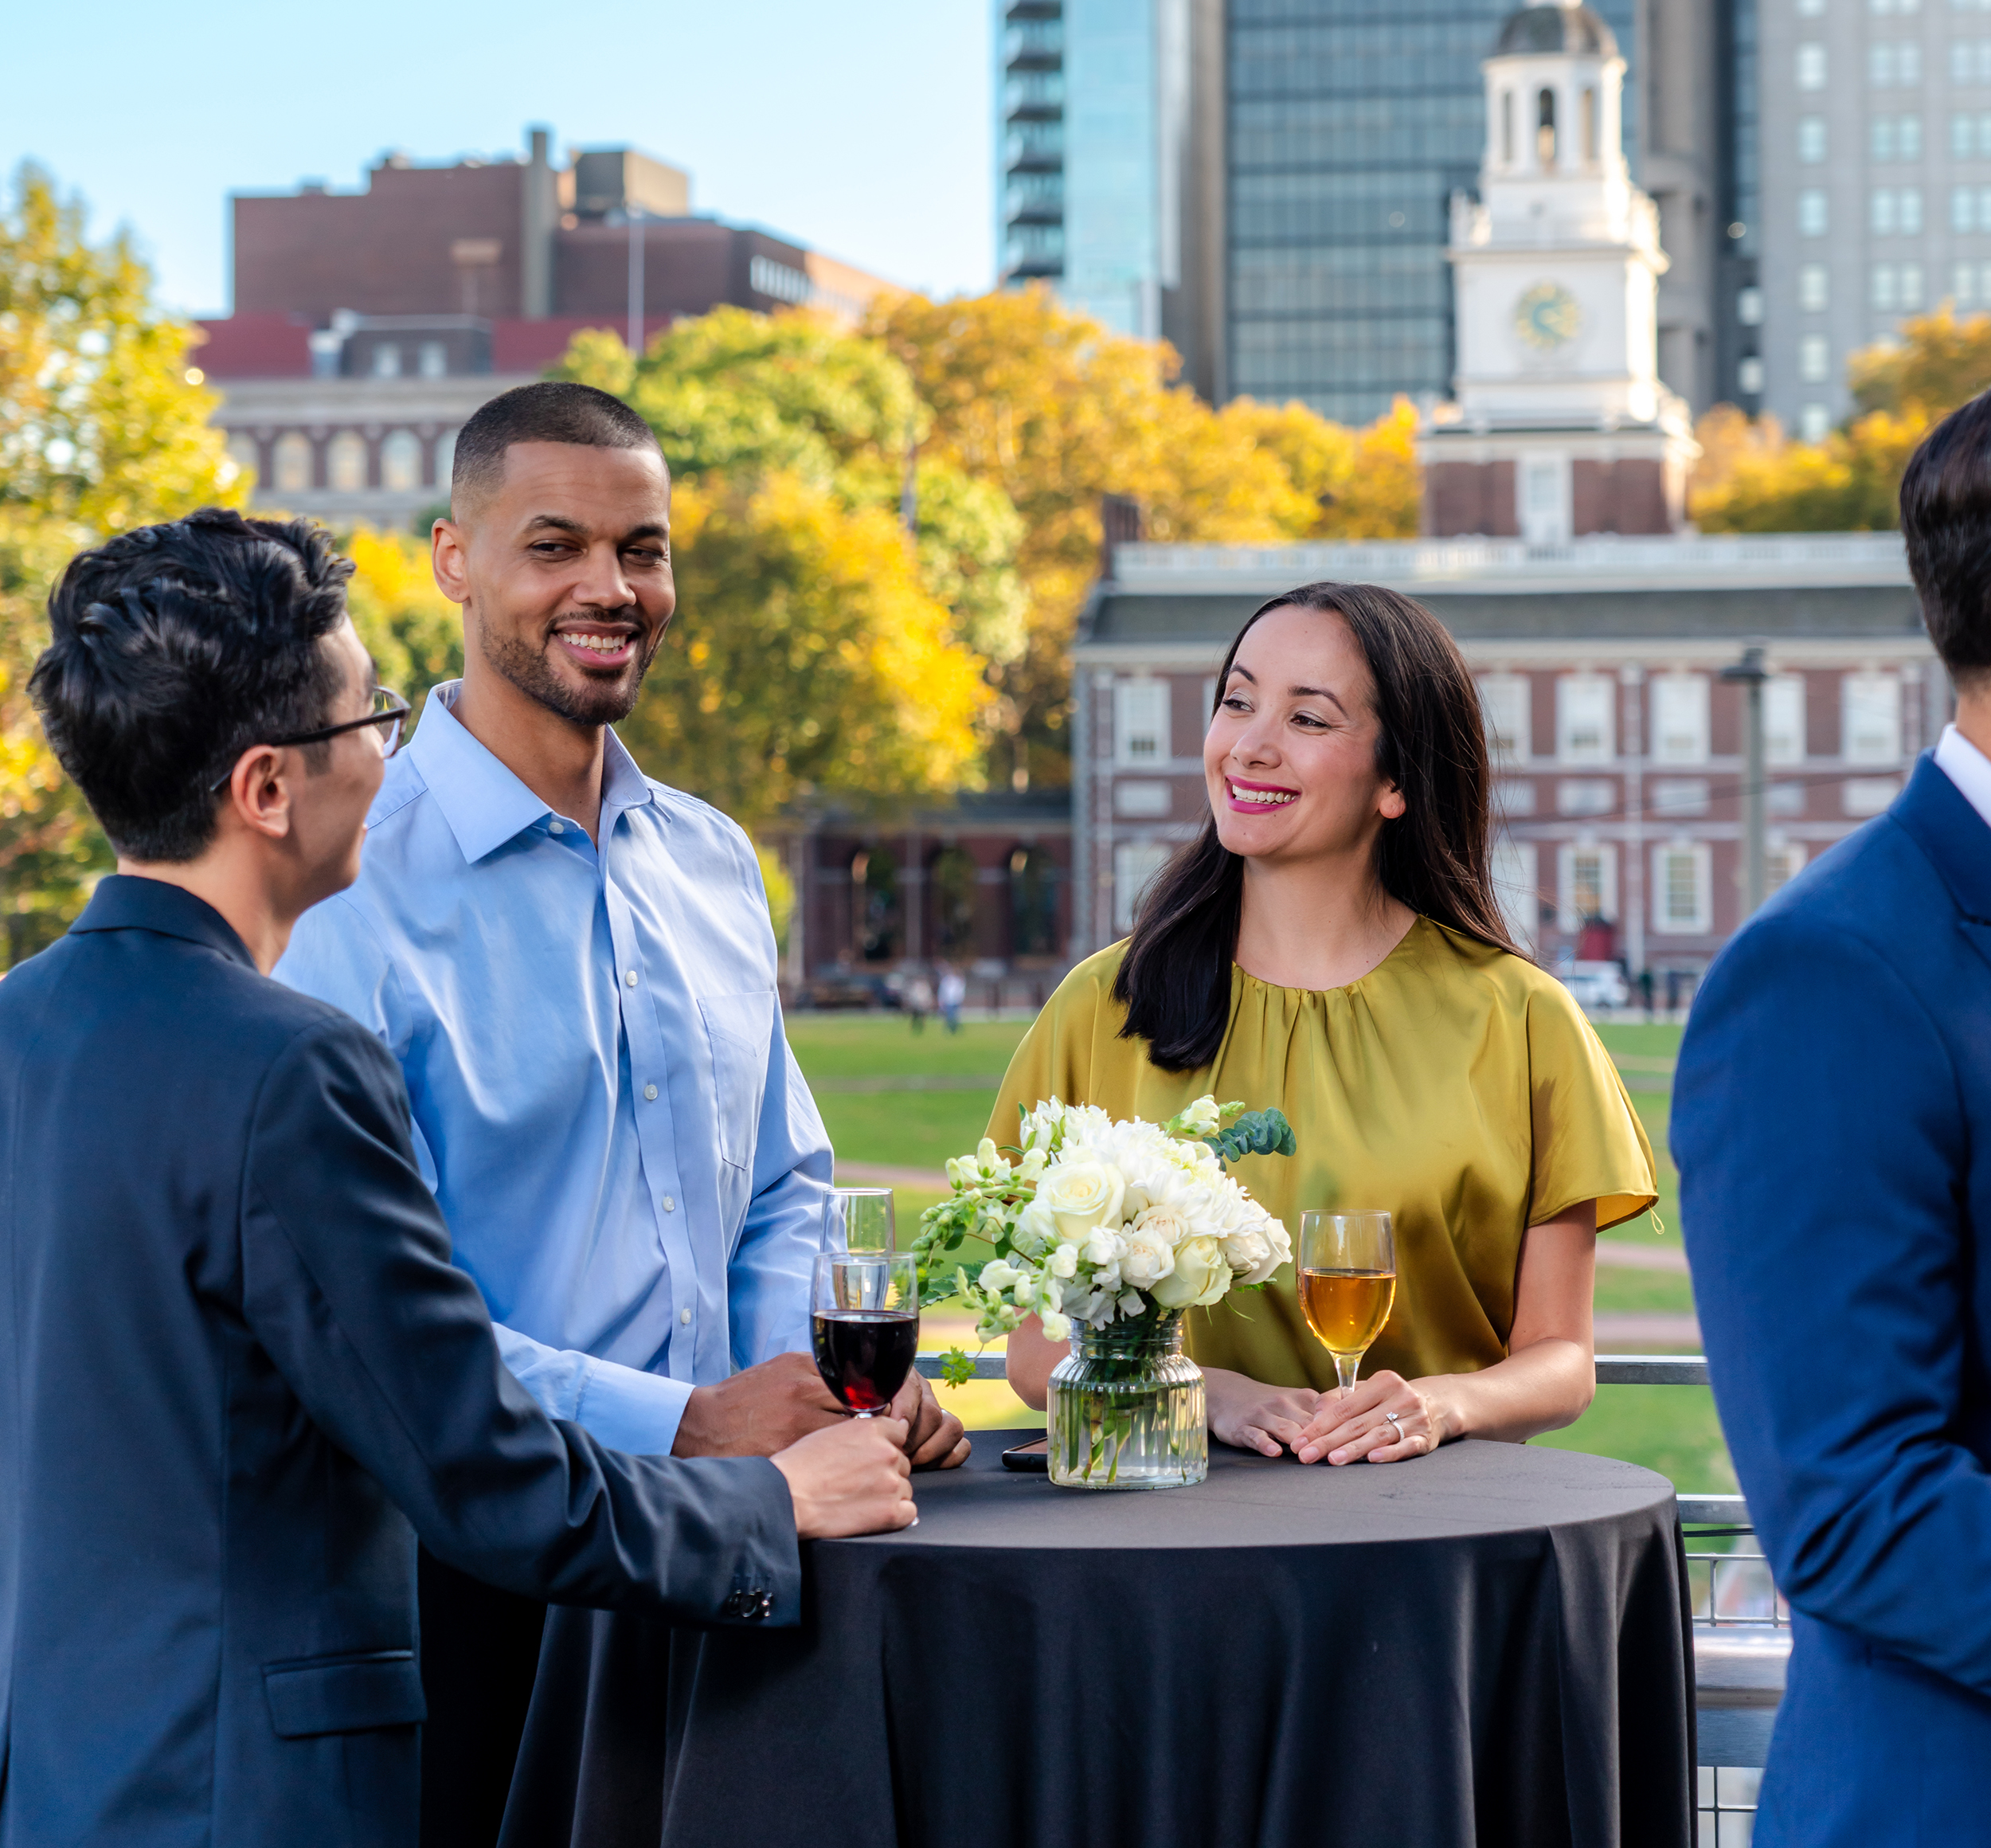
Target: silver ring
x=1396 y=1422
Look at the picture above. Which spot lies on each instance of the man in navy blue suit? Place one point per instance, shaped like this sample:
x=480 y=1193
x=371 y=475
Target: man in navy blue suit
x=238 y=1371
x=1831 y=1119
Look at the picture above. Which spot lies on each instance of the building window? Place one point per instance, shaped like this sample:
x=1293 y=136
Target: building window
x=1886 y=288
x=1963 y=207
x=1673 y=797
x=242 y=452
x=1141 y=721
x=782 y=281
x=387 y=360
x=1585 y=733
x=1970 y=61
x=346 y=462
x=1507 y=128
x=1811 y=212
x=1680 y=887
x=1586 y=796
x=1898 y=63
x=1971 y=282
x=1810 y=9
x=1912 y=286
x=1813 y=421
x=1543 y=490
x=1910 y=137
x=1513 y=797
x=1585 y=884
x=1749 y=376
x=1812 y=287
x=1870 y=707
x=1135 y=864
x=1970 y=137
x=401 y=461
x=1811 y=139
x=1516 y=885
x=445 y=458
x=1863 y=798
x=1784 y=719
x=1680 y=719
x=1814 y=359
x=293 y=461
x=1811 y=67
x=1141 y=798
x=432 y=360
x=1545 y=128
x=1782 y=862
x=1882 y=143
x=1504 y=705
x=1883 y=215
x=1589 y=126
x=1749 y=306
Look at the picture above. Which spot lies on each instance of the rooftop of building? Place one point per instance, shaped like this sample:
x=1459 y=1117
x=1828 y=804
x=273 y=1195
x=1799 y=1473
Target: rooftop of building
x=1688 y=586
x=1536 y=30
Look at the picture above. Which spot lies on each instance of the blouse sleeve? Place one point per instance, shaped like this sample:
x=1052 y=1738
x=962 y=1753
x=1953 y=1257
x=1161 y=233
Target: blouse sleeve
x=1588 y=1141
x=1055 y=1057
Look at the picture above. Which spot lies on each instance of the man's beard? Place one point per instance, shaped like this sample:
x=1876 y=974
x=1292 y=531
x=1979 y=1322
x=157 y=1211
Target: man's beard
x=593 y=702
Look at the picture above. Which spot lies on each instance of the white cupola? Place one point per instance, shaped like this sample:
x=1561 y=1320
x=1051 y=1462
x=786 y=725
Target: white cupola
x=1555 y=269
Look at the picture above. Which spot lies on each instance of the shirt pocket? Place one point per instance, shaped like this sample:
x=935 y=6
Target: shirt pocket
x=738 y=1029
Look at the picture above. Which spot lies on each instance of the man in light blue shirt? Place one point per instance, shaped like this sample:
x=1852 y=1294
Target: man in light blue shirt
x=574 y=966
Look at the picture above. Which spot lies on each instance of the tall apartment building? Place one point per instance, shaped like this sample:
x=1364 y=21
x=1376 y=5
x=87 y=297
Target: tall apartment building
x=1283 y=199
x=1875 y=143
x=368 y=325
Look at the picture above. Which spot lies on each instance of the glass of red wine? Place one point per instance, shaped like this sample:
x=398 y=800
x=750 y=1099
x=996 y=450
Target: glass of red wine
x=866 y=1325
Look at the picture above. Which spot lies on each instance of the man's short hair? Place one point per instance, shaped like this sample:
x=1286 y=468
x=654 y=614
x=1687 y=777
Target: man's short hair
x=553 y=411
x=1945 y=518
x=176 y=647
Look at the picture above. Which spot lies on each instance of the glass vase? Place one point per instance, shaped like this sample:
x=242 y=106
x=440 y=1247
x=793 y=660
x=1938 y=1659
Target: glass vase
x=1125 y=1409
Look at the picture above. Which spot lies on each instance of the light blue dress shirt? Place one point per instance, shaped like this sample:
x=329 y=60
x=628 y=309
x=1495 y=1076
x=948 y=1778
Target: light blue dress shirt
x=631 y=1165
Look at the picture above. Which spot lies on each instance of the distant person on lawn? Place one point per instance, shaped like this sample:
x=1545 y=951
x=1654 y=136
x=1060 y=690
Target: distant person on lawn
x=1831 y=1119
x=241 y=1372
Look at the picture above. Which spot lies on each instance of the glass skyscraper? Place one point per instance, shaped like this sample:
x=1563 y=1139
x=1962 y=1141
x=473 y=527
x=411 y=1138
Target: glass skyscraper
x=1350 y=124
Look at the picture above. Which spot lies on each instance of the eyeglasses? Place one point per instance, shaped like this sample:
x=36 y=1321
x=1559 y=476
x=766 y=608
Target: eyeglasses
x=390 y=712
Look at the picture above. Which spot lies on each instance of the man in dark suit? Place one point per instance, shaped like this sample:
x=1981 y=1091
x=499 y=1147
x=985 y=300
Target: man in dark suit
x=240 y=1374
x=1832 y=1118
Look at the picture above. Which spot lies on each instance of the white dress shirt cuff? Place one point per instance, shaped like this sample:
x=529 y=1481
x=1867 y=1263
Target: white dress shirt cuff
x=627 y=1409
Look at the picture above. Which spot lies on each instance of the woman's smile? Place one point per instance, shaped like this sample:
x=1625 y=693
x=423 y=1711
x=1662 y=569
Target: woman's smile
x=1255 y=798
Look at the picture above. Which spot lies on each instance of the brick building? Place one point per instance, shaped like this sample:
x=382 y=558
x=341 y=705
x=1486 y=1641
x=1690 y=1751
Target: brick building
x=1619 y=750
x=369 y=325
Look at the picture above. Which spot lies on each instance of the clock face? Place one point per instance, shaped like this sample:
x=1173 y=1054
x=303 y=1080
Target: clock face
x=1547 y=317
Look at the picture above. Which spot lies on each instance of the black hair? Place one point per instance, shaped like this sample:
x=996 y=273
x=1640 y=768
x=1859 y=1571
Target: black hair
x=176 y=647
x=551 y=411
x=1174 y=979
x=1945 y=518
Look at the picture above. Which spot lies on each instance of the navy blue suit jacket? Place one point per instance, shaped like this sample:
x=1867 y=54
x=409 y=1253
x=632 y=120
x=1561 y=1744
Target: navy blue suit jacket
x=1831 y=1119
x=238 y=1376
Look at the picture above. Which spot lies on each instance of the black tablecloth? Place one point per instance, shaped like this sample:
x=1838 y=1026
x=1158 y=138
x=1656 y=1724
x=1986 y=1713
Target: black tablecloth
x=1488 y=1645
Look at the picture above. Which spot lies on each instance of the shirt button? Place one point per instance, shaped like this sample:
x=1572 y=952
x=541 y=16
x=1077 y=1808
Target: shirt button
x=556 y=828
x=684 y=1316
x=631 y=978
x=650 y=1093
x=669 y=1205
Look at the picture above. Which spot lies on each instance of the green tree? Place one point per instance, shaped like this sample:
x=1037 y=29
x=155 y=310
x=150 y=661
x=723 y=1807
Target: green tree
x=104 y=425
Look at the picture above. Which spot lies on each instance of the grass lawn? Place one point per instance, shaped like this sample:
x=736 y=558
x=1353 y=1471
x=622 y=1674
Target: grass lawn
x=1672 y=1429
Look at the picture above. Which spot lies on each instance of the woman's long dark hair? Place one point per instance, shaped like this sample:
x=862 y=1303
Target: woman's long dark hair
x=1175 y=980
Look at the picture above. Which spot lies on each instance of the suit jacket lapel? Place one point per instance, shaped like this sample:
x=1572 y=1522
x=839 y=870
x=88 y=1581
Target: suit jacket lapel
x=1957 y=841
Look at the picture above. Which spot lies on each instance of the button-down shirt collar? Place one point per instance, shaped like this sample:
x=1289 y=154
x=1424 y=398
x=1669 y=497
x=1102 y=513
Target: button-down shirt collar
x=1968 y=768
x=484 y=803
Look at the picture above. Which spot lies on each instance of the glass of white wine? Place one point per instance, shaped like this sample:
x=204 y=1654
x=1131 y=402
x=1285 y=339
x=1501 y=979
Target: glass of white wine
x=857 y=1221
x=1347 y=1282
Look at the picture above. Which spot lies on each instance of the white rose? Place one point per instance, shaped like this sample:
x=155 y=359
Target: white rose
x=1151 y=1248
x=1063 y=1262
x=997 y=1275
x=1246 y=1248
x=1057 y=1328
x=1278 y=1251
x=1081 y=1194
x=1200 y=1276
x=1102 y=1248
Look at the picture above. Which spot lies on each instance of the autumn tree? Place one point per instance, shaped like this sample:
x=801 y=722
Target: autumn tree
x=414 y=633
x=103 y=425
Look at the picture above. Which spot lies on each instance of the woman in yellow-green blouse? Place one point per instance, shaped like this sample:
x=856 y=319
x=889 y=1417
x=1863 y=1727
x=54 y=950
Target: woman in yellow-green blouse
x=1331 y=945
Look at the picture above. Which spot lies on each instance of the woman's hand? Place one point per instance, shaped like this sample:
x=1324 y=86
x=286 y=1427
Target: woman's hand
x=1345 y=1427
x=1250 y=1415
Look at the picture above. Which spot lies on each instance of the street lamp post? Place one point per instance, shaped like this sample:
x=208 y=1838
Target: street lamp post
x=635 y=215
x=1749 y=674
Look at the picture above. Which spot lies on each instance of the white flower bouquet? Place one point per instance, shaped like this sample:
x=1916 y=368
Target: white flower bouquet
x=1095 y=1220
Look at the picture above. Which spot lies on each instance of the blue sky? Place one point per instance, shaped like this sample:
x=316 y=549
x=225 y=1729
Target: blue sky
x=861 y=128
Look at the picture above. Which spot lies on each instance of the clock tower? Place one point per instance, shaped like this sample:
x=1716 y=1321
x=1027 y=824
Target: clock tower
x=1559 y=424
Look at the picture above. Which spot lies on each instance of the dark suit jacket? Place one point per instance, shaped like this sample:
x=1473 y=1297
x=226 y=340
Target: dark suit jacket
x=1832 y=1118
x=238 y=1376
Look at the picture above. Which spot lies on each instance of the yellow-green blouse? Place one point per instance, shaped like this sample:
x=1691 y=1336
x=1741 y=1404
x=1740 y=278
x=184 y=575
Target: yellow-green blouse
x=1455 y=1085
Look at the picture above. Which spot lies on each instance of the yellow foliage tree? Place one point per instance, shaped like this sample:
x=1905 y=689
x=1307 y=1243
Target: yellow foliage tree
x=806 y=661
x=103 y=425
x=414 y=633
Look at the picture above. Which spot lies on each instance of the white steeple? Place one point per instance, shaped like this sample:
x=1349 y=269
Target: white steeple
x=1556 y=270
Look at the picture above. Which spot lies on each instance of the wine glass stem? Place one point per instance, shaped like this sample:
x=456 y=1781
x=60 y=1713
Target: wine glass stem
x=1345 y=1369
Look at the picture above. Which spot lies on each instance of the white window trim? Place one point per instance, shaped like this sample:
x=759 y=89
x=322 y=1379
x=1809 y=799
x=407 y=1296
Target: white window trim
x=1566 y=686
x=1567 y=916
x=1662 y=926
x=1131 y=723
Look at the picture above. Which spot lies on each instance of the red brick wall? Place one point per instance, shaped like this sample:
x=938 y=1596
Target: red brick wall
x=1619 y=497
x=1469 y=497
x=385 y=251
